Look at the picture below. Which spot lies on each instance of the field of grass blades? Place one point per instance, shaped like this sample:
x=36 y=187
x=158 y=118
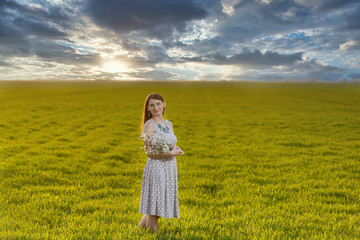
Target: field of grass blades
x=262 y=160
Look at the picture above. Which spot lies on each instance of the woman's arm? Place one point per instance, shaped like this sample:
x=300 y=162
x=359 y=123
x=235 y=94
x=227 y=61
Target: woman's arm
x=174 y=152
x=160 y=155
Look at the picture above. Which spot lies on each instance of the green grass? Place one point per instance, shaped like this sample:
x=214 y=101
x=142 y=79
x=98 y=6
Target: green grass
x=262 y=160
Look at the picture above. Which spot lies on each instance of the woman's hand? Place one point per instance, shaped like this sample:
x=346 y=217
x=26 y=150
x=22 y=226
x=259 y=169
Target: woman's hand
x=176 y=151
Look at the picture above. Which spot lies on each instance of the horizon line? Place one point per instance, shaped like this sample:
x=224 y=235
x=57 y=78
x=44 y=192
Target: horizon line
x=311 y=80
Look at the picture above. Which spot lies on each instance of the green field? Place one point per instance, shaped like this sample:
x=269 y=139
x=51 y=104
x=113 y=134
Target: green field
x=262 y=160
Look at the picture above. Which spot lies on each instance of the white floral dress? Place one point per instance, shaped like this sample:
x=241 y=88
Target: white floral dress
x=159 y=190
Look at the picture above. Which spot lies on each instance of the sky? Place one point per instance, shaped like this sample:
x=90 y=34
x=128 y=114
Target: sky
x=258 y=40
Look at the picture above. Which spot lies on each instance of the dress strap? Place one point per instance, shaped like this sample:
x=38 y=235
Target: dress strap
x=168 y=124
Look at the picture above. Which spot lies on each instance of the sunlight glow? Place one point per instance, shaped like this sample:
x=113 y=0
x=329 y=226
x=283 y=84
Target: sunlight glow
x=115 y=67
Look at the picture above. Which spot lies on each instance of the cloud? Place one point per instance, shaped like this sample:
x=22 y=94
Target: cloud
x=352 y=21
x=43 y=11
x=228 y=6
x=325 y=5
x=350 y=45
x=253 y=20
x=265 y=1
x=157 y=18
x=251 y=58
x=265 y=59
x=299 y=71
x=4 y=64
x=312 y=68
x=39 y=29
x=186 y=39
x=153 y=75
x=355 y=76
x=21 y=26
x=52 y=52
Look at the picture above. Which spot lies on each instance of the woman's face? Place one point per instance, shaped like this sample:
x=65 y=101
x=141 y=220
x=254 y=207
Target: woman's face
x=156 y=107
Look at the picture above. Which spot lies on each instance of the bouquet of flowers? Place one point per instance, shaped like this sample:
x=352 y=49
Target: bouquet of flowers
x=156 y=143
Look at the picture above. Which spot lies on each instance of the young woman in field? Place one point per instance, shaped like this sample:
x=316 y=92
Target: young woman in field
x=159 y=191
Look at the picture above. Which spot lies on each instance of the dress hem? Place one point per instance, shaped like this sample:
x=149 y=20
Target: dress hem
x=158 y=215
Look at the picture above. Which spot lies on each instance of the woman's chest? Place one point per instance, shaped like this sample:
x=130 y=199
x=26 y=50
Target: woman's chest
x=168 y=138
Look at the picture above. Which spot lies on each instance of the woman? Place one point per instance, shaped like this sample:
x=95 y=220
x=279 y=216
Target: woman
x=159 y=191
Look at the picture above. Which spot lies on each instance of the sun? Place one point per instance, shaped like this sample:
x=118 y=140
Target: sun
x=115 y=67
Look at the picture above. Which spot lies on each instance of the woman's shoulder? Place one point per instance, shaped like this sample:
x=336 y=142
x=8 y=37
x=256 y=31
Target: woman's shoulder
x=148 y=126
x=149 y=122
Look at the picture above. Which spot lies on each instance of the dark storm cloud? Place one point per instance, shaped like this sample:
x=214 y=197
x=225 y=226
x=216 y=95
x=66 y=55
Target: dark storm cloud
x=4 y=64
x=21 y=26
x=33 y=31
x=47 y=12
x=301 y=71
x=326 y=5
x=314 y=65
x=282 y=12
x=253 y=19
x=354 y=76
x=39 y=29
x=156 y=17
x=52 y=52
x=313 y=69
x=253 y=58
x=352 y=21
x=12 y=41
x=257 y=58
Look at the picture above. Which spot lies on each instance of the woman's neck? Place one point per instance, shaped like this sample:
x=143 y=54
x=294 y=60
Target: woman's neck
x=158 y=119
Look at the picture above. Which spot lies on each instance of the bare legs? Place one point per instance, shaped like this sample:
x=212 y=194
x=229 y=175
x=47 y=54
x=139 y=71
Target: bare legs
x=143 y=221
x=149 y=221
x=152 y=222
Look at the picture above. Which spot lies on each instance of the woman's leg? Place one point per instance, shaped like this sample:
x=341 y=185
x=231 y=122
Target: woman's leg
x=142 y=222
x=152 y=222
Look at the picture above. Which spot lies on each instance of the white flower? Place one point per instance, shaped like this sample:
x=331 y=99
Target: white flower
x=156 y=143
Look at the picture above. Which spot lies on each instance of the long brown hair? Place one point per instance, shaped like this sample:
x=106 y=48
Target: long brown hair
x=146 y=114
